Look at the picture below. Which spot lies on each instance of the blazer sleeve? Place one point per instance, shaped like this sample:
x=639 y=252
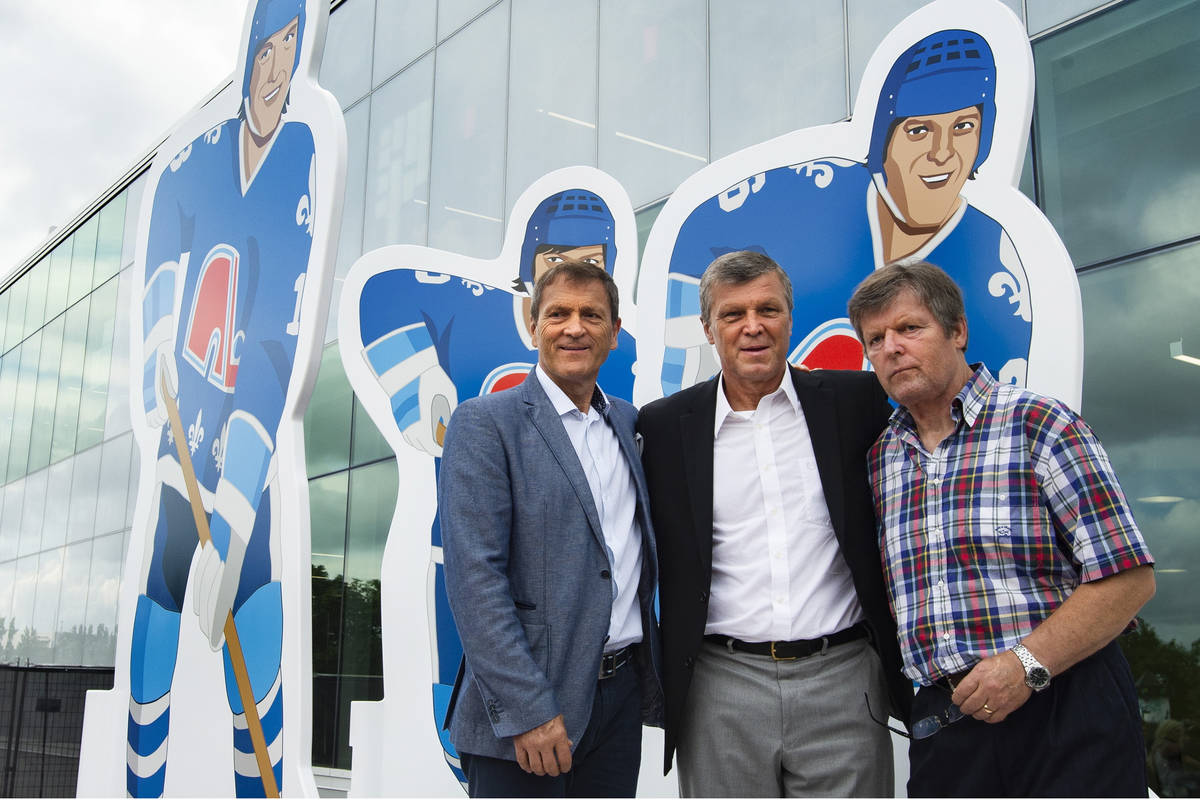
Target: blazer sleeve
x=475 y=497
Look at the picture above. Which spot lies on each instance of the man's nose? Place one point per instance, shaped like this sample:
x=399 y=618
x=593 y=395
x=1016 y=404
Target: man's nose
x=941 y=146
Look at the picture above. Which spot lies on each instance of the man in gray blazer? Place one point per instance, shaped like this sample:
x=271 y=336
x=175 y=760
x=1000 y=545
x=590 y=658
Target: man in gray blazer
x=550 y=564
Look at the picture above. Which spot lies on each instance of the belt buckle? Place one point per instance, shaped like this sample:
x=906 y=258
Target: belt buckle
x=781 y=658
x=608 y=665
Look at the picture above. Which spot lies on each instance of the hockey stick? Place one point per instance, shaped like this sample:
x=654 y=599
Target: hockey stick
x=236 y=659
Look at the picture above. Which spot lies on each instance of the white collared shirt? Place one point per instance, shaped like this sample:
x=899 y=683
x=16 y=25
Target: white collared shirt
x=615 y=496
x=778 y=573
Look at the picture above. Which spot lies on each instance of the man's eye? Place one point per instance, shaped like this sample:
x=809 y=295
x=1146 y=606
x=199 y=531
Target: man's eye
x=288 y=37
x=917 y=131
x=595 y=262
x=964 y=125
x=264 y=53
x=554 y=259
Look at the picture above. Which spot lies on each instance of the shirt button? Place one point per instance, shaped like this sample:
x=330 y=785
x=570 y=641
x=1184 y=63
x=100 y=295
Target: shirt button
x=946 y=636
x=605 y=574
x=935 y=481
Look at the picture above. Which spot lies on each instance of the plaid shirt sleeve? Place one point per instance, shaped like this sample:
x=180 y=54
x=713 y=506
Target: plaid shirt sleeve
x=1081 y=492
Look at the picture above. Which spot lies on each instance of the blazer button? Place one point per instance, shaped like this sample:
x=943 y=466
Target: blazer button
x=687 y=662
x=703 y=597
x=605 y=574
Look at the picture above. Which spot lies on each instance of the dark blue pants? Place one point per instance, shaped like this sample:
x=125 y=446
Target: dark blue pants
x=1081 y=737
x=605 y=761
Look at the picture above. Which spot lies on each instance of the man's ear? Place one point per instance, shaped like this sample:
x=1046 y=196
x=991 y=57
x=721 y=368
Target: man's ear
x=707 y=331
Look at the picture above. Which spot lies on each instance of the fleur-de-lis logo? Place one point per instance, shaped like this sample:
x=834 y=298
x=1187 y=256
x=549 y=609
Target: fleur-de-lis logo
x=195 y=434
x=218 y=446
x=213 y=135
x=180 y=157
x=475 y=287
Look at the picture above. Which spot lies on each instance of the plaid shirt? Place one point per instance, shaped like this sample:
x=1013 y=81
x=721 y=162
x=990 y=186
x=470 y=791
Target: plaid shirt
x=987 y=535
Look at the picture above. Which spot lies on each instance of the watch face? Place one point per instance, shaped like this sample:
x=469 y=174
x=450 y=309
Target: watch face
x=1038 y=678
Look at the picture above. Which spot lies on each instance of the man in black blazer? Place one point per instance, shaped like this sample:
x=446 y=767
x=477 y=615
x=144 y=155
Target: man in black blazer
x=780 y=656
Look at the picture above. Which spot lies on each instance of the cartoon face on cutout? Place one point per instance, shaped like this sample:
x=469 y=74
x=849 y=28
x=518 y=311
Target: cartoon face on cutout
x=929 y=158
x=933 y=125
x=548 y=255
x=271 y=77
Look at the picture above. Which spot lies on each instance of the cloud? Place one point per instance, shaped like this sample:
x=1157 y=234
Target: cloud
x=89 y=88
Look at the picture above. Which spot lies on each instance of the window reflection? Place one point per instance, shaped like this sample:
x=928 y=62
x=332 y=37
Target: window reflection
x=83 y=257
x=1118 y=101
x=70 y=380
x=70 y=629
x=93 y=397
x=327 y=420
x=22 y=427
x=653 y=112
x=104 y=584
x=466 y=197
x=346 y=64
x=42 y=431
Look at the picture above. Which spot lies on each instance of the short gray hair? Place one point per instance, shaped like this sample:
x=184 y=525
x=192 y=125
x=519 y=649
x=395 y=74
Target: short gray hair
x=735 y=269
x=936 y=290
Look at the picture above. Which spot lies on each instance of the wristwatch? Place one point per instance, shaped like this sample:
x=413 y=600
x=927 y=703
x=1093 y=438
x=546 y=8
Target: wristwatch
x=1037 y=677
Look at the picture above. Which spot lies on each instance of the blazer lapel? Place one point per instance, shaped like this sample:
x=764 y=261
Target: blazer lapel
x=820 y=412
x=696 y=430
x=547 y=423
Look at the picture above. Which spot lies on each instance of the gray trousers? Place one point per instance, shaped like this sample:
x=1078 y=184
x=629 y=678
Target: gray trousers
x=756 y=727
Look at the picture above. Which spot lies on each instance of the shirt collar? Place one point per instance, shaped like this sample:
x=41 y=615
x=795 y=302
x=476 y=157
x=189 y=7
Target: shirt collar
x=565 y=405
x=724 y=409
x=966 y=405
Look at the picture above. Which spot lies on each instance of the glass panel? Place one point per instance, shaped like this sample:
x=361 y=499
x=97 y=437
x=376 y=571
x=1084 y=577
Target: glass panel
x=397 y=204
x=552 y=98
x=1122 y=90
x=14 y=330
x=84 y=489
x=135 y=463
x=8 y=628
x=404 y=29
x=324 y=722
x=372 y=503
x=103 y=590
x=70 y=380
x=350 y=240
x=71 y=630
x=10 y=368
x=775 y=66
x=1140 y=402
x=653 y=94
x=45 y=606
x=133 y=210
x=327 y=421
x=4 y=298
x=83 y=257
x=113 y=492
x=328 y=503
x=116 y=418
x=93 y=399
x=10 y=519
x=466 y=195
x=1044 y=14
x=58 y=495
x=32 y=514
x=108 y=241
x=46 y=395
x=24 y=638
x=18 y=447
x=369 y=444
x=346 y=64
x=59 y=281
x=453 y=14
x=35 y=304
x=350 y=689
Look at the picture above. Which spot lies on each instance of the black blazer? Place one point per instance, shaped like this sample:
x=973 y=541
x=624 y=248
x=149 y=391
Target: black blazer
x=845 y=411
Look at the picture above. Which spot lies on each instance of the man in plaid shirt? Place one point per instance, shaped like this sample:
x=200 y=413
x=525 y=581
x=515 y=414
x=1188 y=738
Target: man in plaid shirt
x=1011 y=558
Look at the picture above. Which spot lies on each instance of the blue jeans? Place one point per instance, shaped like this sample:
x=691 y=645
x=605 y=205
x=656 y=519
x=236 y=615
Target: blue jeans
x=605 y=761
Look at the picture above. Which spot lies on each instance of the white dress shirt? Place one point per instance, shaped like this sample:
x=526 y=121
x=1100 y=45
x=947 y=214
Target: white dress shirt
x=615 y=496
x=778 y=573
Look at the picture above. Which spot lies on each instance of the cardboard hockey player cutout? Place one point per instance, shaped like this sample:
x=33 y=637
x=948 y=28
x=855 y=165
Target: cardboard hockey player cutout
x=235 y=244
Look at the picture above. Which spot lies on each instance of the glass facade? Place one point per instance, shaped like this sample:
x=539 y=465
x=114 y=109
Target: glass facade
x=452 y=109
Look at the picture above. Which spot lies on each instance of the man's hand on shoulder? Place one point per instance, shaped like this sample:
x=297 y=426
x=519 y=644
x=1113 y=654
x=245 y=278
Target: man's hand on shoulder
x=993 y=689
x=545 y=750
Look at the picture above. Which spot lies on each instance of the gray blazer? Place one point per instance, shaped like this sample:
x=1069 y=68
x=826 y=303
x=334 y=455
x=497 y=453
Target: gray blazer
x=527 y=572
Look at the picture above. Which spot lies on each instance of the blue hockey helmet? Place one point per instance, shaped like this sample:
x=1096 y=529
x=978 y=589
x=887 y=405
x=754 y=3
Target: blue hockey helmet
x=573 y=218
x=269 y=17
x=943 y=72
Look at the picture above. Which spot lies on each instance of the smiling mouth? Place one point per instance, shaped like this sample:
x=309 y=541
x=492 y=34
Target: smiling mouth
x=269 y=96
x=936 y=181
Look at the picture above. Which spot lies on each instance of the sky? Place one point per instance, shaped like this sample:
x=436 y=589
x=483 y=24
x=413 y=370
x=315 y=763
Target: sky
x=88 y=88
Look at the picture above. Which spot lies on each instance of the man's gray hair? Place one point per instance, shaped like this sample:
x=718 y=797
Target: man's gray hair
x=735 y=269
x=936 y=290
x=575 y=272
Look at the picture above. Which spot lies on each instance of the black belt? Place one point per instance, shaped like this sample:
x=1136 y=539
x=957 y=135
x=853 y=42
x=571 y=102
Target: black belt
x=950 y=682
x=790 y=651
x=611 y=662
